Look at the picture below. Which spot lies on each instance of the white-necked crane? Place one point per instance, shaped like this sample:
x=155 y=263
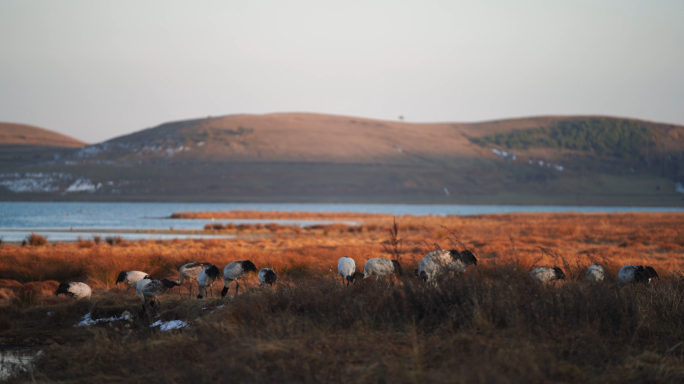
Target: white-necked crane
x=237 y=270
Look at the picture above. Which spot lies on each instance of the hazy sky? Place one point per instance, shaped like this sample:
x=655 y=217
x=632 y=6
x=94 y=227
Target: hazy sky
x=95 y=70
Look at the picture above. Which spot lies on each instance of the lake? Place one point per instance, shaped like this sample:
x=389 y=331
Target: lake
x=65 y=221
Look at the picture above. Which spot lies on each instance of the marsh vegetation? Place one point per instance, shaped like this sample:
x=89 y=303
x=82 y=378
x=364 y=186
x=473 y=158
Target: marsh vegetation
x=490 y=324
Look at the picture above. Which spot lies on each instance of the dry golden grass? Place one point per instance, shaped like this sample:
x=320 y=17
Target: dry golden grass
x=490 y=325
x=570 y=241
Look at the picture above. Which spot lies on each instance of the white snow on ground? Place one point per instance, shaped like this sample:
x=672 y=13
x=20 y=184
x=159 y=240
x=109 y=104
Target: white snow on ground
x=88 y=320
x=508 y=156
x=89 y=151
x=33 y=182
x=83 y=185
x=169 y=325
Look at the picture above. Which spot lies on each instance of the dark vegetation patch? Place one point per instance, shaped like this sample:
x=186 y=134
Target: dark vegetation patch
x=614 y=137
x=489 y=325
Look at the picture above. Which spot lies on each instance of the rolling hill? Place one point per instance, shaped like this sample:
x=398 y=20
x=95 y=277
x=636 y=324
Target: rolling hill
x=300 y=157
x=20 y=134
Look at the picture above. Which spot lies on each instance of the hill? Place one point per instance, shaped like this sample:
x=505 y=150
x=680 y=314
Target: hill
x=20 y=134
x=300 y=157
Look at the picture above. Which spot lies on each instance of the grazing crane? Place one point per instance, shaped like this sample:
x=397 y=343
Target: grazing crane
x=235 y=271
x=154 y=288
x=141 y=284
x=190 y=271
x=267 y=276
x=637 y=274
x=131 y=278
x=76 y=290
x=380 y=266
x=595 y=274
x=435 y=262
x=546 y=274
x=346 y=267
x=206 y=279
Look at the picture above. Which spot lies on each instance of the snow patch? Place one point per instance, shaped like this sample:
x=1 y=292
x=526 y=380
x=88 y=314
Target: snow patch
x=89 y=151
x=83 y=185
x=169 y=325
x=508 y=156
x=679 y=188
x=32 y=182
x=88 y=320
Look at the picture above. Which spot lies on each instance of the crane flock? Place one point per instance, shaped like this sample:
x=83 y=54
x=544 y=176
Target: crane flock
x=434 y=264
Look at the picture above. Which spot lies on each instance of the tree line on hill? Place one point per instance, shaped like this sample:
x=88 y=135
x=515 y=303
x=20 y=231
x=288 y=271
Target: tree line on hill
x=614 y=137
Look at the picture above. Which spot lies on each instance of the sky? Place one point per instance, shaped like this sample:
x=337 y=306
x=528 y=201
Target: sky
x=95 y=70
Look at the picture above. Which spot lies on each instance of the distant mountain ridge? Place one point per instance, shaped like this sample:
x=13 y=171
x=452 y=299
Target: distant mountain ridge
x=21 y=134
x=305 y=157
x=306 y=137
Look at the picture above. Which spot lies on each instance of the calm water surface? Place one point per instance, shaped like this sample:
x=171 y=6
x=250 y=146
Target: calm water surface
x=66 y=221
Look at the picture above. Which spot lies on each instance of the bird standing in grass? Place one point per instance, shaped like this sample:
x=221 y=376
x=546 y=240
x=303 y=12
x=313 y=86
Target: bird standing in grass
x=237 y=270
x=595 y=274
x=437 y=262
x=131 y=278
x=267 y=276
x=630 y=274
x=206 y=279
x=380 y=266
x=346 y=267
x=189 y=272
x=154 y=288
x=76 y=290
x=141 y=284
x=547 y=274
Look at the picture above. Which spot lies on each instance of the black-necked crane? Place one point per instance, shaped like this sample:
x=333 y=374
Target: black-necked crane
x=189 y=272
x=595 y=274
x=545 y=275
x=76 y=290
x=440 y=261
x=346 y=267
x=630 y=274
x=141 y=284
x=205 y=279
x=237 y=270
x=131 y=278
x=380 y=266
x=154 y=288
x=267 y=276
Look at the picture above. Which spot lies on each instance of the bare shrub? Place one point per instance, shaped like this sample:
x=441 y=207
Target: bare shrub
x=36 y=240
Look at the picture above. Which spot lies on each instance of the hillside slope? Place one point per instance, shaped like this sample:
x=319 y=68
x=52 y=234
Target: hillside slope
x=300 y=157
x=20 y=134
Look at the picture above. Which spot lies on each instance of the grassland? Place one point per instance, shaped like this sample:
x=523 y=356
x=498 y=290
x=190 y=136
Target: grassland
x=490 y=325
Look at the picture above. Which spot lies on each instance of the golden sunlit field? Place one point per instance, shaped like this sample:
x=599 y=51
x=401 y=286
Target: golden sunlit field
x=491 y=324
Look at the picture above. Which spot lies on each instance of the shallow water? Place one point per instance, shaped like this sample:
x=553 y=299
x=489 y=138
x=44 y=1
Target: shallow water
x=66 y=221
